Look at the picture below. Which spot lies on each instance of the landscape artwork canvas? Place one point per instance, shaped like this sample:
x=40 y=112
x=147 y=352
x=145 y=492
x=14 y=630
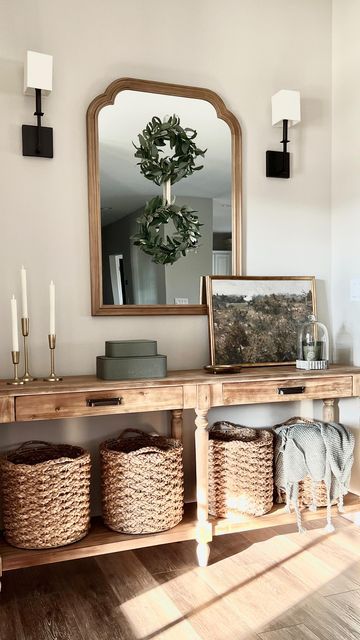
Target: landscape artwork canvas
x=255 y=321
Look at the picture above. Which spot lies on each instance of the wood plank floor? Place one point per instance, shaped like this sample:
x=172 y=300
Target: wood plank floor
x=269 y=584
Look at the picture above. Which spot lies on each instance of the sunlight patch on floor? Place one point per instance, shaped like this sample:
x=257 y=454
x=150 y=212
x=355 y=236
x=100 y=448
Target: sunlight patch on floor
x=152 y=612
x=256 y=586
x=353 y=517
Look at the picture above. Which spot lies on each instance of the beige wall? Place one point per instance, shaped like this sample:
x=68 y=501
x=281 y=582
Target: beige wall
x=245 y=50
x=346 y=196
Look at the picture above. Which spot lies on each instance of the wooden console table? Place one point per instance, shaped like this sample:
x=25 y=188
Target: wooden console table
x=88 y=396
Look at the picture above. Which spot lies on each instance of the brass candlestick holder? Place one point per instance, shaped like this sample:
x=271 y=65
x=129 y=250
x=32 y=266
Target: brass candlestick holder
x=52 y=344
x=25 y=325
x=15 y=355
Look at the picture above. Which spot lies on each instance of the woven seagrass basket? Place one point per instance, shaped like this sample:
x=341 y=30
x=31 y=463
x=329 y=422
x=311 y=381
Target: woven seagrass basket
x=142 y=482
x=305 y=498
x=305 y=493
x=45 y=490
x=240 y=470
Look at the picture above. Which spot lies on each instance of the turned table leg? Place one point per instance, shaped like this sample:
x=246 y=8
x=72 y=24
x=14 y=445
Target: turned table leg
x=330 y=410
x=204 y=529
x=177 y=424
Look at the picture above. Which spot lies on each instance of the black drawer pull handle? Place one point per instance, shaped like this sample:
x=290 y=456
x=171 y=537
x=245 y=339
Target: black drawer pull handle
x=283 y=391
x=104 y=402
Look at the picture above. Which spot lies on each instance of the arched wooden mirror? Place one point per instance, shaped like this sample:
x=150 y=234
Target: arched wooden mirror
x=124 y=280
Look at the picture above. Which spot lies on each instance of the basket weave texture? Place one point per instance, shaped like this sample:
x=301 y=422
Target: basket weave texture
x=305 y=496
x=142 y=483
x=240 y=471
x=45 y=491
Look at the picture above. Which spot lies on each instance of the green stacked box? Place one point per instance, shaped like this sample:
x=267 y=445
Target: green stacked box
x=130 y=348
x=131 y=359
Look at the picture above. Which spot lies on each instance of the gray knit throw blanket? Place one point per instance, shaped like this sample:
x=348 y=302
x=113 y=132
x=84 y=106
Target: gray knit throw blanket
x=323 y=451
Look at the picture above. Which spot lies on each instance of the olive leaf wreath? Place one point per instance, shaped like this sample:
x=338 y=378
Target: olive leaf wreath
x=185 y=237
x=160 y=169
x=181 y=164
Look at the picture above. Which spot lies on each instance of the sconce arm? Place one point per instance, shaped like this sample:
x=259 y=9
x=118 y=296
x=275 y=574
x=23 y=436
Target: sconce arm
x=285 y=140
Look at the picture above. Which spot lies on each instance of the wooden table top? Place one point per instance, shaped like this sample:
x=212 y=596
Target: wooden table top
x=185 y=377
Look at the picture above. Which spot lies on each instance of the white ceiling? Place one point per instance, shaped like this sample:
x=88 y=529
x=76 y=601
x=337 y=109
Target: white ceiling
x=123 y=188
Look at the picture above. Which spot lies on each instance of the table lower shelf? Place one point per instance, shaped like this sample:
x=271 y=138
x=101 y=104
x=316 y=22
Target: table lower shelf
x=102 y=540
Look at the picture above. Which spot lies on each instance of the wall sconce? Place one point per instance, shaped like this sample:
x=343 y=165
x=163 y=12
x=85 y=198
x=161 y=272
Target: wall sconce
x=37 y=140
x=285 y=106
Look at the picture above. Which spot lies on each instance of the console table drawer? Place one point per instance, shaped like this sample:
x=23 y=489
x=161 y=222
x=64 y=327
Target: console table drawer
x=286 y=390
x=92 y=403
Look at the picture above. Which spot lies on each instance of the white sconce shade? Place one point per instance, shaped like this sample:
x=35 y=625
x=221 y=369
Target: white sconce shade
x=38 y=73
x=285 y=106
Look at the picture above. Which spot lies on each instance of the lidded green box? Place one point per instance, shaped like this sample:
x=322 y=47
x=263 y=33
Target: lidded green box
x=131 y=359
x=130 y=348
x=131 y=368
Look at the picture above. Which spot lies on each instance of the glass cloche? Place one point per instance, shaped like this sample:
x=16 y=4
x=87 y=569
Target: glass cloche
x=313 y=345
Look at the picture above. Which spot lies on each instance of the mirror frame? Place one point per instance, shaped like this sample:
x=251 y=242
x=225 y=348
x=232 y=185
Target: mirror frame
x=108 y=98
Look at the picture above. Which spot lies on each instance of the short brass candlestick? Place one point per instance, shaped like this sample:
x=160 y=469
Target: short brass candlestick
x=25 y=325
x=15 y=355
x=52 y=344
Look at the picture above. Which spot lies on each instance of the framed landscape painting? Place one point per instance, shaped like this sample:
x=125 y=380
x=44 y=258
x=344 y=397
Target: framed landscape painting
x=254 y=321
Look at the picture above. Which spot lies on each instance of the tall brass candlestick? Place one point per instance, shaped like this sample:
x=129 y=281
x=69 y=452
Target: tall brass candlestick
x=52 y=344
x=25 y=325
x=15 y=355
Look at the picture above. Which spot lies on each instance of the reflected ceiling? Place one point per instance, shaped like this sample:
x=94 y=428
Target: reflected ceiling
x=124 y=189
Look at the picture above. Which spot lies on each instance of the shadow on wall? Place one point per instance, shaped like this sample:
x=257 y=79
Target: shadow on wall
x=343 y=346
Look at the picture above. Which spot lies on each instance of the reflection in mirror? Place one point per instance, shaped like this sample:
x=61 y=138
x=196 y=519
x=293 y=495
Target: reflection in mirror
x=129 y=276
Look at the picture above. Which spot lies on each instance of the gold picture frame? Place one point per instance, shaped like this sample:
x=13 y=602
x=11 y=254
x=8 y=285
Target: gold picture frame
x=253 y=320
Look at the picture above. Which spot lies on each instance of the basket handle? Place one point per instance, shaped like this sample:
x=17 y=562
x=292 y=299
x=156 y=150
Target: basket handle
x=144 y=450
x=223 y=425
x=26 y=444
x=296 y=420
x=139 y=432
x=63 y=460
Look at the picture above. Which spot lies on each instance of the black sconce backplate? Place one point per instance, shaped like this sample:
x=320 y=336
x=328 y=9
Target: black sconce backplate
x=277 y=164
x=32 y=146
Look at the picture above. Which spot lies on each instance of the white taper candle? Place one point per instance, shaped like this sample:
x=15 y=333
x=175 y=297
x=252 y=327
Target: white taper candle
x=52 y=308
x=14 y=324
x=24 y=309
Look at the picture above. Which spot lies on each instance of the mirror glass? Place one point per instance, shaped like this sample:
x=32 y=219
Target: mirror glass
x=129 y=276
